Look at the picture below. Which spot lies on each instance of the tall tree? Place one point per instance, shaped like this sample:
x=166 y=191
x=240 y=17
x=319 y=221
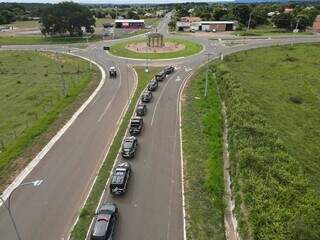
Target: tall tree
x=242 y=13
x=284 y=20
x=66 y=18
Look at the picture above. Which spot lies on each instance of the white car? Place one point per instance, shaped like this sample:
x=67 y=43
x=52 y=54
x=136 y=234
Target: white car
x=112 y=72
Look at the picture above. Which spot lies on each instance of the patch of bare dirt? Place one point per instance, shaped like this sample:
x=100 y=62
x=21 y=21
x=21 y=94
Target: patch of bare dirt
x=230 y=220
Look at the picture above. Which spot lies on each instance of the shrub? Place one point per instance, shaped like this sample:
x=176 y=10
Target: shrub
x=296 y=100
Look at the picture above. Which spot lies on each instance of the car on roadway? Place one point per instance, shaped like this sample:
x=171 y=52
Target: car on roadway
x=120 y=178
x=153 y=85
x=146 y=97
x=141 y=109
x=112 y=72
x=160 y=76
x=136 y=125
x=105 y=222
x=107 y=25
x=129 y=147
x=169 y=69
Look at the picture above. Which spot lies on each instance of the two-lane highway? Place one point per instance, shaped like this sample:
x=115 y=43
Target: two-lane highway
x=152 y=207
x=69 y=168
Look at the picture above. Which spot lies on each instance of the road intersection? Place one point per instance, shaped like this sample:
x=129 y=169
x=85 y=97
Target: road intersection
x=152 y=207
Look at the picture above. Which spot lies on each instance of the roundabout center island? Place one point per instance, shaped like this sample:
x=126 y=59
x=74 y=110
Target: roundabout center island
x=156 y=47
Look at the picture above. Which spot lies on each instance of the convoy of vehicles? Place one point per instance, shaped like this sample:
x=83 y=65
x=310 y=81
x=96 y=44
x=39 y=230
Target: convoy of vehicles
x=107 y=216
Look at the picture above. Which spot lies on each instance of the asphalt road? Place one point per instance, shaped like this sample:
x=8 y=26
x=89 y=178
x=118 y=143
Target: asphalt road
x=70 y=167
x=152 y=207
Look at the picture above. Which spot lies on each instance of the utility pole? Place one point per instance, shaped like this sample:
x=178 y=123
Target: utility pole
x=64 y=87
x=295 y=31
x=147 y=55
x=249 y=22
x=207 y=74
x=63 y=82
x=35 y=183
x=127 y=75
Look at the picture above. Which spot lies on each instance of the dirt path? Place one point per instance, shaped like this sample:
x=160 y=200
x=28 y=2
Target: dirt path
x=229 y=217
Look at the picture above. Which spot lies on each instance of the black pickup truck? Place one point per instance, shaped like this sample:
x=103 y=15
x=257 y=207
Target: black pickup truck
x=119 y=179
x=160 y=76
x=136 y=125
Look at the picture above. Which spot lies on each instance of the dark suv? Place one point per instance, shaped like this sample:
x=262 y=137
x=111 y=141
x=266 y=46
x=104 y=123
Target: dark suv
x=169 y=69
x=153 y=85
x=129 y=147
x=160 y=76
x=141 y=110
x=105 y=222
x=120 y=178
x=136 y=125
x=146 y=96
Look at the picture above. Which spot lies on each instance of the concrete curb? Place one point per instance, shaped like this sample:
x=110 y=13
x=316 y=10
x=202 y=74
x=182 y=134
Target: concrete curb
x=181 y=158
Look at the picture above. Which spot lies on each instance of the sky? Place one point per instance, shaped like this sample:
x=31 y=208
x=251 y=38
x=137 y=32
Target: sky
x=117 y=1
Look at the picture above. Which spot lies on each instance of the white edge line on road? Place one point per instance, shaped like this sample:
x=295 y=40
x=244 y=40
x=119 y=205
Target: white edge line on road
x=18 y=180
x=181 y=158
x=101 y=164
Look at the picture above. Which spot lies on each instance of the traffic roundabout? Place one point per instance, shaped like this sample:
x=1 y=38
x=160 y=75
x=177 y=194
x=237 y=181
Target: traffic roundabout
x=170 y=49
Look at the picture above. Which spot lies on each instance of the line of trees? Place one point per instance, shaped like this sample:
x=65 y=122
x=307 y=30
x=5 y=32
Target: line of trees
x=67 y=18
x=10 y=12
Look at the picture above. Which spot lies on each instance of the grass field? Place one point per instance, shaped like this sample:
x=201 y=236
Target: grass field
x=24 y=24
x=154 y=22
x=273 y=96
x=191 y=48
x=266 y=30
x=87 y=213
x=32 y=98
x=101 y=21
x=32 y=40
x=202 y=147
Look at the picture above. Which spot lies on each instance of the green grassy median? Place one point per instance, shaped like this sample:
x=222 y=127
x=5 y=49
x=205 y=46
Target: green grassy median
x=191 y=48
x=88 y=212
x=202 y=147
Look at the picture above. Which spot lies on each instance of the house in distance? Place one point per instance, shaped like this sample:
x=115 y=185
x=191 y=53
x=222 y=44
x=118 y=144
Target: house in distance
x=188 y=24
x=316 y=24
